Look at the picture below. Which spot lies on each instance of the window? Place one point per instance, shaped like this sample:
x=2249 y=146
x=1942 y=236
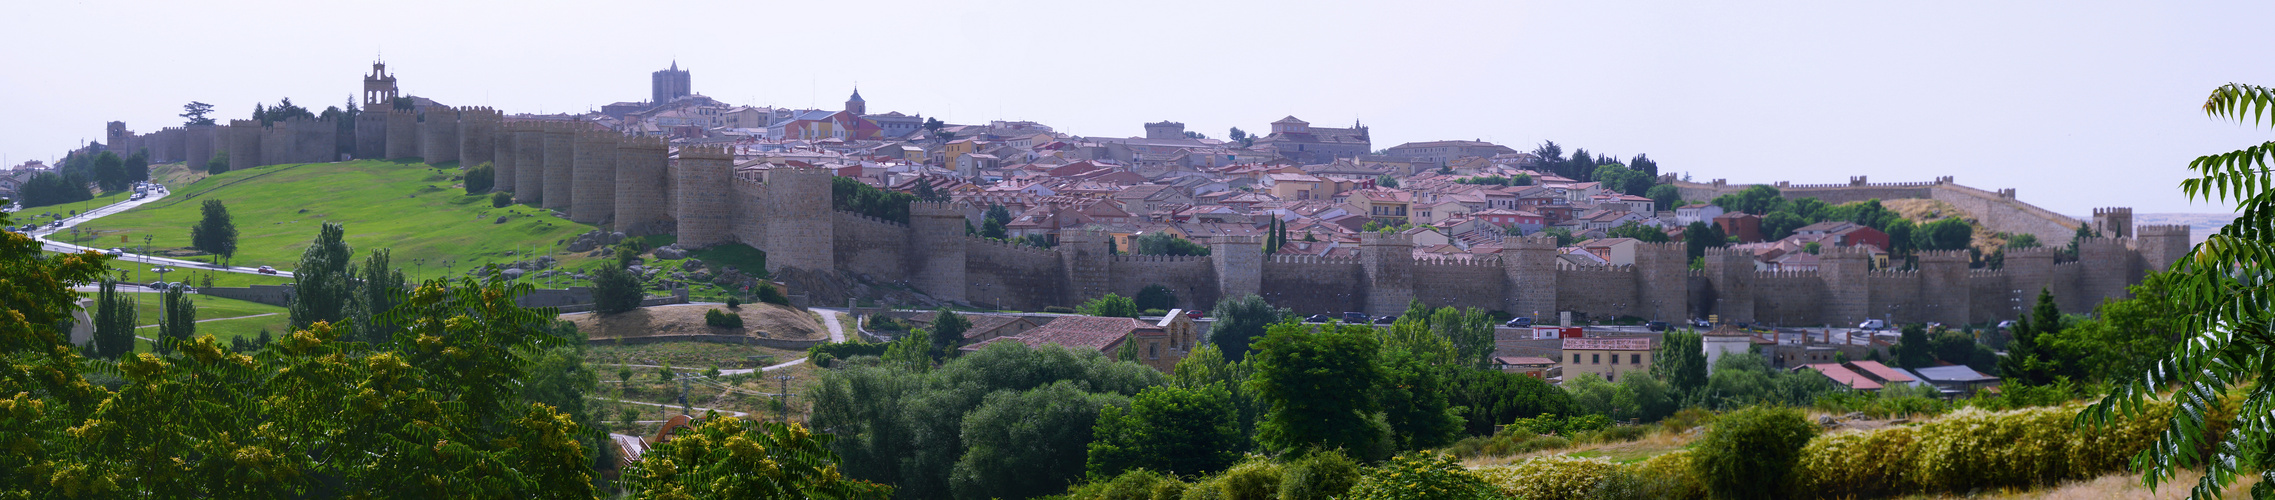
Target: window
x=1596 y=359
x=1575 y=359
x=1153 y=350
x=1635 y=359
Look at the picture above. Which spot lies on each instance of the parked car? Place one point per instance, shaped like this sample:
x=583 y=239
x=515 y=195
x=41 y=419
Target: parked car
x=266 y=270
x=1518 y=322
x=1656 y=326
x=114 y=252
x=155 y=285
x=1318 y=318
x=1872 y=324
x=1385 y=320
x=1355 y=317
x=1195 y=315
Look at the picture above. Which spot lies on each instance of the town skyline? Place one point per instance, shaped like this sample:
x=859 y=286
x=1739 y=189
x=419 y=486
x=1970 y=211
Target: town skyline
x=2001 y=97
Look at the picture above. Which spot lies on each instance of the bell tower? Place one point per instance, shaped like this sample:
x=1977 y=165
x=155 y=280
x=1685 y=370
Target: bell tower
x=854 y=105
x=378 y=88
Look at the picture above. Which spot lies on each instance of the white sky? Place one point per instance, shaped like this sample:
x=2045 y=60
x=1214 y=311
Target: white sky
x=2077 y=104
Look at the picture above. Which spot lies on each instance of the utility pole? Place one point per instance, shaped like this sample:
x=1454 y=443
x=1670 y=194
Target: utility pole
x=782 y=399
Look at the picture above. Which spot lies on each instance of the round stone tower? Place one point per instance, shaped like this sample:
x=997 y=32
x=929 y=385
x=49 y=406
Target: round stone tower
x=1529 y=265
x=244 y=144
x=937 y=229
x=528 y=162
x=704 y=198
x=640 y=179
x=1388 y=259
x=560 y=165
x=1847 y=300
x=594 y=198
x=799 y=230
x=438 y=133
x=504 y=157
x=477 y=137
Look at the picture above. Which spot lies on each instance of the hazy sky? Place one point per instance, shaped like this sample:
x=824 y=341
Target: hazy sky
x=2077 y=104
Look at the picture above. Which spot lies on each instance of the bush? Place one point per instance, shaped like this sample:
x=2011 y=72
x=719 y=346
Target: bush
x=480 y=178
x=1749 y=453
x=1319 y=476
x=1253 y=479
x=1422 y=475
x=615 y=290
x=887 y=323
x=1685 y=419
x=1511 y=440
x=771 y=294
x=500 y=200
x=1058 y=310
x=722 y=319
x=1137 y=484
x=1613 y=434
x=734 y=303
x=1556 y=477
x=1665 y=476
x=846 y=350
x=1154 y=312
x=1972 y=449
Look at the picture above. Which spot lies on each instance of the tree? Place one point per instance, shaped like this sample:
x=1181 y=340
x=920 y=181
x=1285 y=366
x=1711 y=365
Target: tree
x=1700 y=236
x=729 y=458
x=114 y=321
x=948 y=333
x=1165 y=243
x=137 y=166
x=1946 y=234
x=1030 y=443
x=1317 y=386
x=1680 y=360
x=1756 y=199
x=2223 y=348
x=1155 y=296
x=1749 y=453
x=1638 y=231
x=481 y=178
x=1900 y=236
x=1778 y=225
x=1187 y=431
x=615 y=290
x=50 y=188
x=1240 y=321
x=1664 y=196
x=2124 y=337
x=322 y=283
x=1468 y=331
x=380 y=290
x=1913 y=350
x=1386 y=181
x=1492 y=398
x=218 y=164
x=177 y=320
x=215 y=232
x=1413 y=399
x=194 y=113
x=110 y=172
x=1111 y=305
x=1644 y=163
x=2025 y=362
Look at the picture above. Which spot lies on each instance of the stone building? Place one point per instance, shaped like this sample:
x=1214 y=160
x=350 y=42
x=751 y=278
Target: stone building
x=1606 y=357
x=669 y=84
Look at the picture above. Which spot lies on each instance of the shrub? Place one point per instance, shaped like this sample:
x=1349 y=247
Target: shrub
x=1555 y=477
x=1665 y=476
x=768 y=293
x=734 y=303
x=615 y=290
x=1511 y=440
x=1685 y=419
x=1253 y=479
x=1972 y=449
x=887 y=323
x=722 y=319
x=1422 y=475
x=1613 y=434
x=480 y=178
x=1860 y=463
x=1749 y=453
x=1319 y=476
x=500 y=200
x=1154 y=312
x=1137 y=484
x=846 y=350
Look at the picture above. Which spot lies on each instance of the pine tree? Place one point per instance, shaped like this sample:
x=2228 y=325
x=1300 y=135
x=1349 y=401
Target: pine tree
x=114 y=321
x=178 y=319
x=322 y=284
x=382 y=288
x=2024 y=363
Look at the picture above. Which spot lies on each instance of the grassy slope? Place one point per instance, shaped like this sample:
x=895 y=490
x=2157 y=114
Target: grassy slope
x=146 y=310
x=416 y=210
x=137 y=272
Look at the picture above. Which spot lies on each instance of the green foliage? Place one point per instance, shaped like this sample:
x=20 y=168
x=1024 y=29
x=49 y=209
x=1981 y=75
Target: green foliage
x=323 y=282
x=1207 y=366
x=717 y=318
x=1972 y=450
x=1945 y=234
x=850 y=195
x=114 y=321
x=1554 y=477
x=1490 y=398
x=194 y=114
x=178 y=321
x=50 y=188
x=1621 y=179
x=219 y=164
x=948 y=333
x=1750 y=453
x=1253 y=479
x=1778 y=225
x=1680 y=360
x=1156 y=296
x=1747 y=379
x=1495 y=180
x=1563 y=236
x=379 y=287
x=1165 y=243
x=1137 y=484
x=1240 y=321
x=1664 y=477
x=1664 y=196
x=1316 y=384
x=846 y=350
x=1638 y=231
x=1319 y=475
x=1511 y=440
x=481 y=178
x=2125 y=337
x=912 y=427
x=1413 y=400
x=615 y=290
x=1756 y=199
x=1111 y=305
x=2025 y=364
x=1422 y=476
x=1700 y=236
x=1913 y=349
x=216 y=231
x=500 y=200
x=768 y=293
x=1187 y=431
x=727 y=458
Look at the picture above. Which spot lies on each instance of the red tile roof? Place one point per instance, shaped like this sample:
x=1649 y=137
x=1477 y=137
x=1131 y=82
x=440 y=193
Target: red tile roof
x=1842 y=375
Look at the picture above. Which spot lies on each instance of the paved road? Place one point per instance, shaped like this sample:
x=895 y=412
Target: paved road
x=155 y=195
x=829 y=319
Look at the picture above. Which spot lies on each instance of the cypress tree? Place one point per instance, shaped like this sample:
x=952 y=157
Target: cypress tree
x=322 y=283
x=178 y=320
x=114 y=321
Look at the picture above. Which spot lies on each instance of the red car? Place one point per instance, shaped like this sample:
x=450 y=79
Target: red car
x=266 y=270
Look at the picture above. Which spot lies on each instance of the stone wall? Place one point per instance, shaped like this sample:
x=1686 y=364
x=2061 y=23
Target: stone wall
x=640 y=184
x=1314 y=285
x=1793 y=298
x=528 y=161
x=1012 y=276
x=560 y=165
x=1598 y=291
x=799 y=229
x=880 y=248
x=402 y=134
x=477 y=137
x=1462 y=283
x=198 y=144
x=594 y=185
x=1192 y=279
x=370 y=134
x=438 y=135
x=706 y=210
x=244 y=144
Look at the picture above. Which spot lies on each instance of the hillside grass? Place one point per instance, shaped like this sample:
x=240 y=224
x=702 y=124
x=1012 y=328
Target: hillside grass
x=138 y=272
x=418 y=211
x=146 y=310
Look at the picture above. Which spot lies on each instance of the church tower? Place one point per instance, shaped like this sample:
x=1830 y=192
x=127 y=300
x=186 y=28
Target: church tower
x=855 y=106
x=378 y=88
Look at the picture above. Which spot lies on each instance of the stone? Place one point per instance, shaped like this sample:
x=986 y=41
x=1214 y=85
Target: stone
x=691 y=264
x=512 y=273
x=671 y=252
x=501 y=220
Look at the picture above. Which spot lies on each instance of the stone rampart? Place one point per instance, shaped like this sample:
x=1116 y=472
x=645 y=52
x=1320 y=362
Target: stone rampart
x=799 y=229
x=528 y=162
x=477 y=137
x=1314 y=285
x=198 y=144
x=640 y=180
x=1460 y=283
x=402 y=134
x=245 y=144
x=1192 y=279
x=560 y=164
x=705 y=213
x=880 y=248
x=438 y=135
x=1011 y=276
x=370 y=134
x=594 y=186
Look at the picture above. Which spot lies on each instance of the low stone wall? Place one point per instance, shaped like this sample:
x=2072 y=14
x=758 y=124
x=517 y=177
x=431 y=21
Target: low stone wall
x=711 y=339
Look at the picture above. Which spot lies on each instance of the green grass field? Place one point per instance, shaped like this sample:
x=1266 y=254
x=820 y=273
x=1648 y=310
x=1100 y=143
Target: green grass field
x=51 y=212
x=416 y=210
x=146 y=312
x=137 y=272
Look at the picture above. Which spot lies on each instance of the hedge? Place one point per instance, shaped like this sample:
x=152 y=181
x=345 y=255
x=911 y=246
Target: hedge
x=1971 y=449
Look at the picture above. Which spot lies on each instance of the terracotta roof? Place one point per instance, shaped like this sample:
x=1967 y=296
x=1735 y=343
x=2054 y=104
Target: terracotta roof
x=1608 y=344
x=1881 y=372
x=1075 y=332
x=1842 y=375
x=1523 y=360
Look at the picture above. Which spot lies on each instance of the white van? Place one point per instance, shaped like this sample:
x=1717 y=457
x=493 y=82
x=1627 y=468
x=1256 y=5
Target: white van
x=1872 y=324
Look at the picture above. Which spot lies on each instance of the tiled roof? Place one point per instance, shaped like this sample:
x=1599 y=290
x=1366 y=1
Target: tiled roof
x=1881 y=372
x=1842 y=375
x=1079 y=332
x=1608 y=344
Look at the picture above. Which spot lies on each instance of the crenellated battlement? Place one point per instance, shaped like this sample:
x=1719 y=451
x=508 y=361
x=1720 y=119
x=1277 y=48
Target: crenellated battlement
x=1479 y=262
x=1313 y=260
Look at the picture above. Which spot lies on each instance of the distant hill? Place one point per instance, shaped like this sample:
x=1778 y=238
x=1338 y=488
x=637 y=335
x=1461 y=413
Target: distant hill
x=2199 y=225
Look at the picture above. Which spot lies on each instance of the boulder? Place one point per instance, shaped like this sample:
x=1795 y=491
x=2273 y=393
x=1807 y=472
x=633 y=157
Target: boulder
x=512 y=273
x=672 y=252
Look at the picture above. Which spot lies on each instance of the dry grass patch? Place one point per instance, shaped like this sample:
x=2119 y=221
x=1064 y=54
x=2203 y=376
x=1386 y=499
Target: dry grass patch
x=762 y=320
x=2110 y=486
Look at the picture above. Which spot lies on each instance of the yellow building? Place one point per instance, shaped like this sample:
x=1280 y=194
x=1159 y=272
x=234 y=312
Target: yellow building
x=1605 y=357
